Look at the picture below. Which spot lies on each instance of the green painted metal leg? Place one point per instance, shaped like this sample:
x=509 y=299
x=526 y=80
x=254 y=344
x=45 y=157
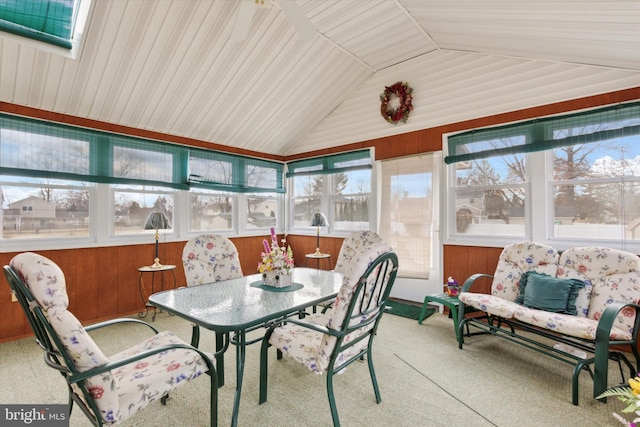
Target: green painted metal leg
x=264 y=353
x=374 y=380
x=220 y=358
x=240 y=355
x=195 y=336
x=332 y=399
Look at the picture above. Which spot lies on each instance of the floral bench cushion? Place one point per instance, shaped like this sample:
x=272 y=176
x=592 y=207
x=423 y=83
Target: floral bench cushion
x=609 y=275
x=517 y=259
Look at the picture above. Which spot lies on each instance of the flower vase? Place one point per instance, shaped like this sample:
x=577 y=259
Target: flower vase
x=276 y=279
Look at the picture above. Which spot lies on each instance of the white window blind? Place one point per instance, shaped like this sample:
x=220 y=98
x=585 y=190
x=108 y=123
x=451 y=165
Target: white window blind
x=406 y=213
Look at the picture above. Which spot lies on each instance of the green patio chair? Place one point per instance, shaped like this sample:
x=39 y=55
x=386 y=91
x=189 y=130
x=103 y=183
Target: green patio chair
x=111 y=389
x=329 y=342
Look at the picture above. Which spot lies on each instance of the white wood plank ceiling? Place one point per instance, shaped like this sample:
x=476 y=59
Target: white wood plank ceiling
x=170 y=66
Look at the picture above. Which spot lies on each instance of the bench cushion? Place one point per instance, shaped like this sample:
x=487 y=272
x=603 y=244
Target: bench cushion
x=566 y=324
x=515 y=260
x=496 y=306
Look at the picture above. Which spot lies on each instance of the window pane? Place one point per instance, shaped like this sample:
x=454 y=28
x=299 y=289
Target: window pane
x=142 y=164
x=261 y=211
x=47 y=211
x=350 y=198
x=261 y=177
x=598 y=211
x=614 y=158
x=492 y=212
x=132 y=209
x=32 y=150
x=211 y=211
x=491 y=171
x=307 y=198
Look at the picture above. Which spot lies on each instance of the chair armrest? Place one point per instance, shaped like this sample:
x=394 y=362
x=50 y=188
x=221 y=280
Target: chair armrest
x=471 y=280
x=602 y=343
x=118 y=321
x=312 y=326
x=81 y=376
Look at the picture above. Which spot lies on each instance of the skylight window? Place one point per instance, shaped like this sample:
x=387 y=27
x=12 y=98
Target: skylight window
x=56 y=22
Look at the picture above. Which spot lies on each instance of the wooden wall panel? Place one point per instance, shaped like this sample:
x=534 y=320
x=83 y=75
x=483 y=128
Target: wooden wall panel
x=102 y=283
x=463 y=261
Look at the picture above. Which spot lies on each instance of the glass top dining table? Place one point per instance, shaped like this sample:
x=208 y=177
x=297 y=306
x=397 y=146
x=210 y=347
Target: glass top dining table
x=236 y=306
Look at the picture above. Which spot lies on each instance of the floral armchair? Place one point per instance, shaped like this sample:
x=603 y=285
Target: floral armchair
x=355 y=242
x=210 y=258
x=108 y=389
x=329 y=342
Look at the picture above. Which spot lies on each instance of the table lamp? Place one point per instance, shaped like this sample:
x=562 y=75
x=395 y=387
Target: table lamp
x=159 y=221
x=318 y=220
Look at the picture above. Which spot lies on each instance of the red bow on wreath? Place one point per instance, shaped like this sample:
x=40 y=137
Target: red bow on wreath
x=402 y=91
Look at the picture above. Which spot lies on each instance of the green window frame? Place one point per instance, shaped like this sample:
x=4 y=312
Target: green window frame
x=34 y=148
x=539 y=135
x=49 y=21
x=350 y=161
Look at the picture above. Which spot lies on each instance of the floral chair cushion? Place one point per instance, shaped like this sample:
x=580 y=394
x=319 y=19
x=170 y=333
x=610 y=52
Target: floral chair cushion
x=210 y=258
x=313 y=349
x=355 y=242
x=122 y=392
x=517 y=259
x=609 y=275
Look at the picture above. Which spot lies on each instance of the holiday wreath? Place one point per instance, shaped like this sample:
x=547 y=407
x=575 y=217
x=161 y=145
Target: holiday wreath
x=402 y=91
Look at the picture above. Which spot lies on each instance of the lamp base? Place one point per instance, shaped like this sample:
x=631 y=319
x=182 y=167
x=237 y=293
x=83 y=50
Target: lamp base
x=156 y=263
x=317 y=252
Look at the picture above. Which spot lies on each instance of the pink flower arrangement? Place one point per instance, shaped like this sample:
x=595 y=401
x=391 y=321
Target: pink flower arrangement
x=275 y=257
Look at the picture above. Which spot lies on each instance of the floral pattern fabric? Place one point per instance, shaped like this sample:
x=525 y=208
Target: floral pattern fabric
x=123 y=391
x=355 y=242
x=609 y=275
x=517 y=259
x=210 y=258
x=313 y=349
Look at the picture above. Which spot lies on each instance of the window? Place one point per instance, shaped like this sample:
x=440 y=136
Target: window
x=337 y=185
x=596 y=190
x=211 y=210
x=490 y=195
x=58 y=23
x=132 y=206
x=262 y=210
x=350 y=198
x=44 y=209
x=127 y=178
x=306 y=199
x=406 y=221
x=572 y=179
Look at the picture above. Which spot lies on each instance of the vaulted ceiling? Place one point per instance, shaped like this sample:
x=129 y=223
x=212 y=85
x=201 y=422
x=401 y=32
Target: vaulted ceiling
x=172 y=66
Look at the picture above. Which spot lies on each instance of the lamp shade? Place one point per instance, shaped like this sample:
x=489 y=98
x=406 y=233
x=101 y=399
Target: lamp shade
x=319 y=220
x=157 y=221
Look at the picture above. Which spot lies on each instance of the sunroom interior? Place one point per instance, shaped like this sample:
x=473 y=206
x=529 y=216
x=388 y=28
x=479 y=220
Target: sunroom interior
x=233 y=117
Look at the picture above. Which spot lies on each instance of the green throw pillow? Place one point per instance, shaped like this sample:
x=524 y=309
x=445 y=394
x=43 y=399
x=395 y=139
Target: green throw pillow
x=543 y=292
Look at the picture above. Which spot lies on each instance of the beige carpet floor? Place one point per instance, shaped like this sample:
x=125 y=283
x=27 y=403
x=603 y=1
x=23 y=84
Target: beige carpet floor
x=425 y=380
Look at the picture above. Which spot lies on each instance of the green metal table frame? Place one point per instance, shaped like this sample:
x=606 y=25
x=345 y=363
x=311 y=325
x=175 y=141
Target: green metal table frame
x=451 y=302
x=241 y=307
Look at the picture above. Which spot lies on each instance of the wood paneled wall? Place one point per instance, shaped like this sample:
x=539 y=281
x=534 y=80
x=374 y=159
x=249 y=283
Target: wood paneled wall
x=103 y=282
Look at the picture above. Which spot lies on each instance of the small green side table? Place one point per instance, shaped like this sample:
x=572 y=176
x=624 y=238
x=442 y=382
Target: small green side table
x=452 y=302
